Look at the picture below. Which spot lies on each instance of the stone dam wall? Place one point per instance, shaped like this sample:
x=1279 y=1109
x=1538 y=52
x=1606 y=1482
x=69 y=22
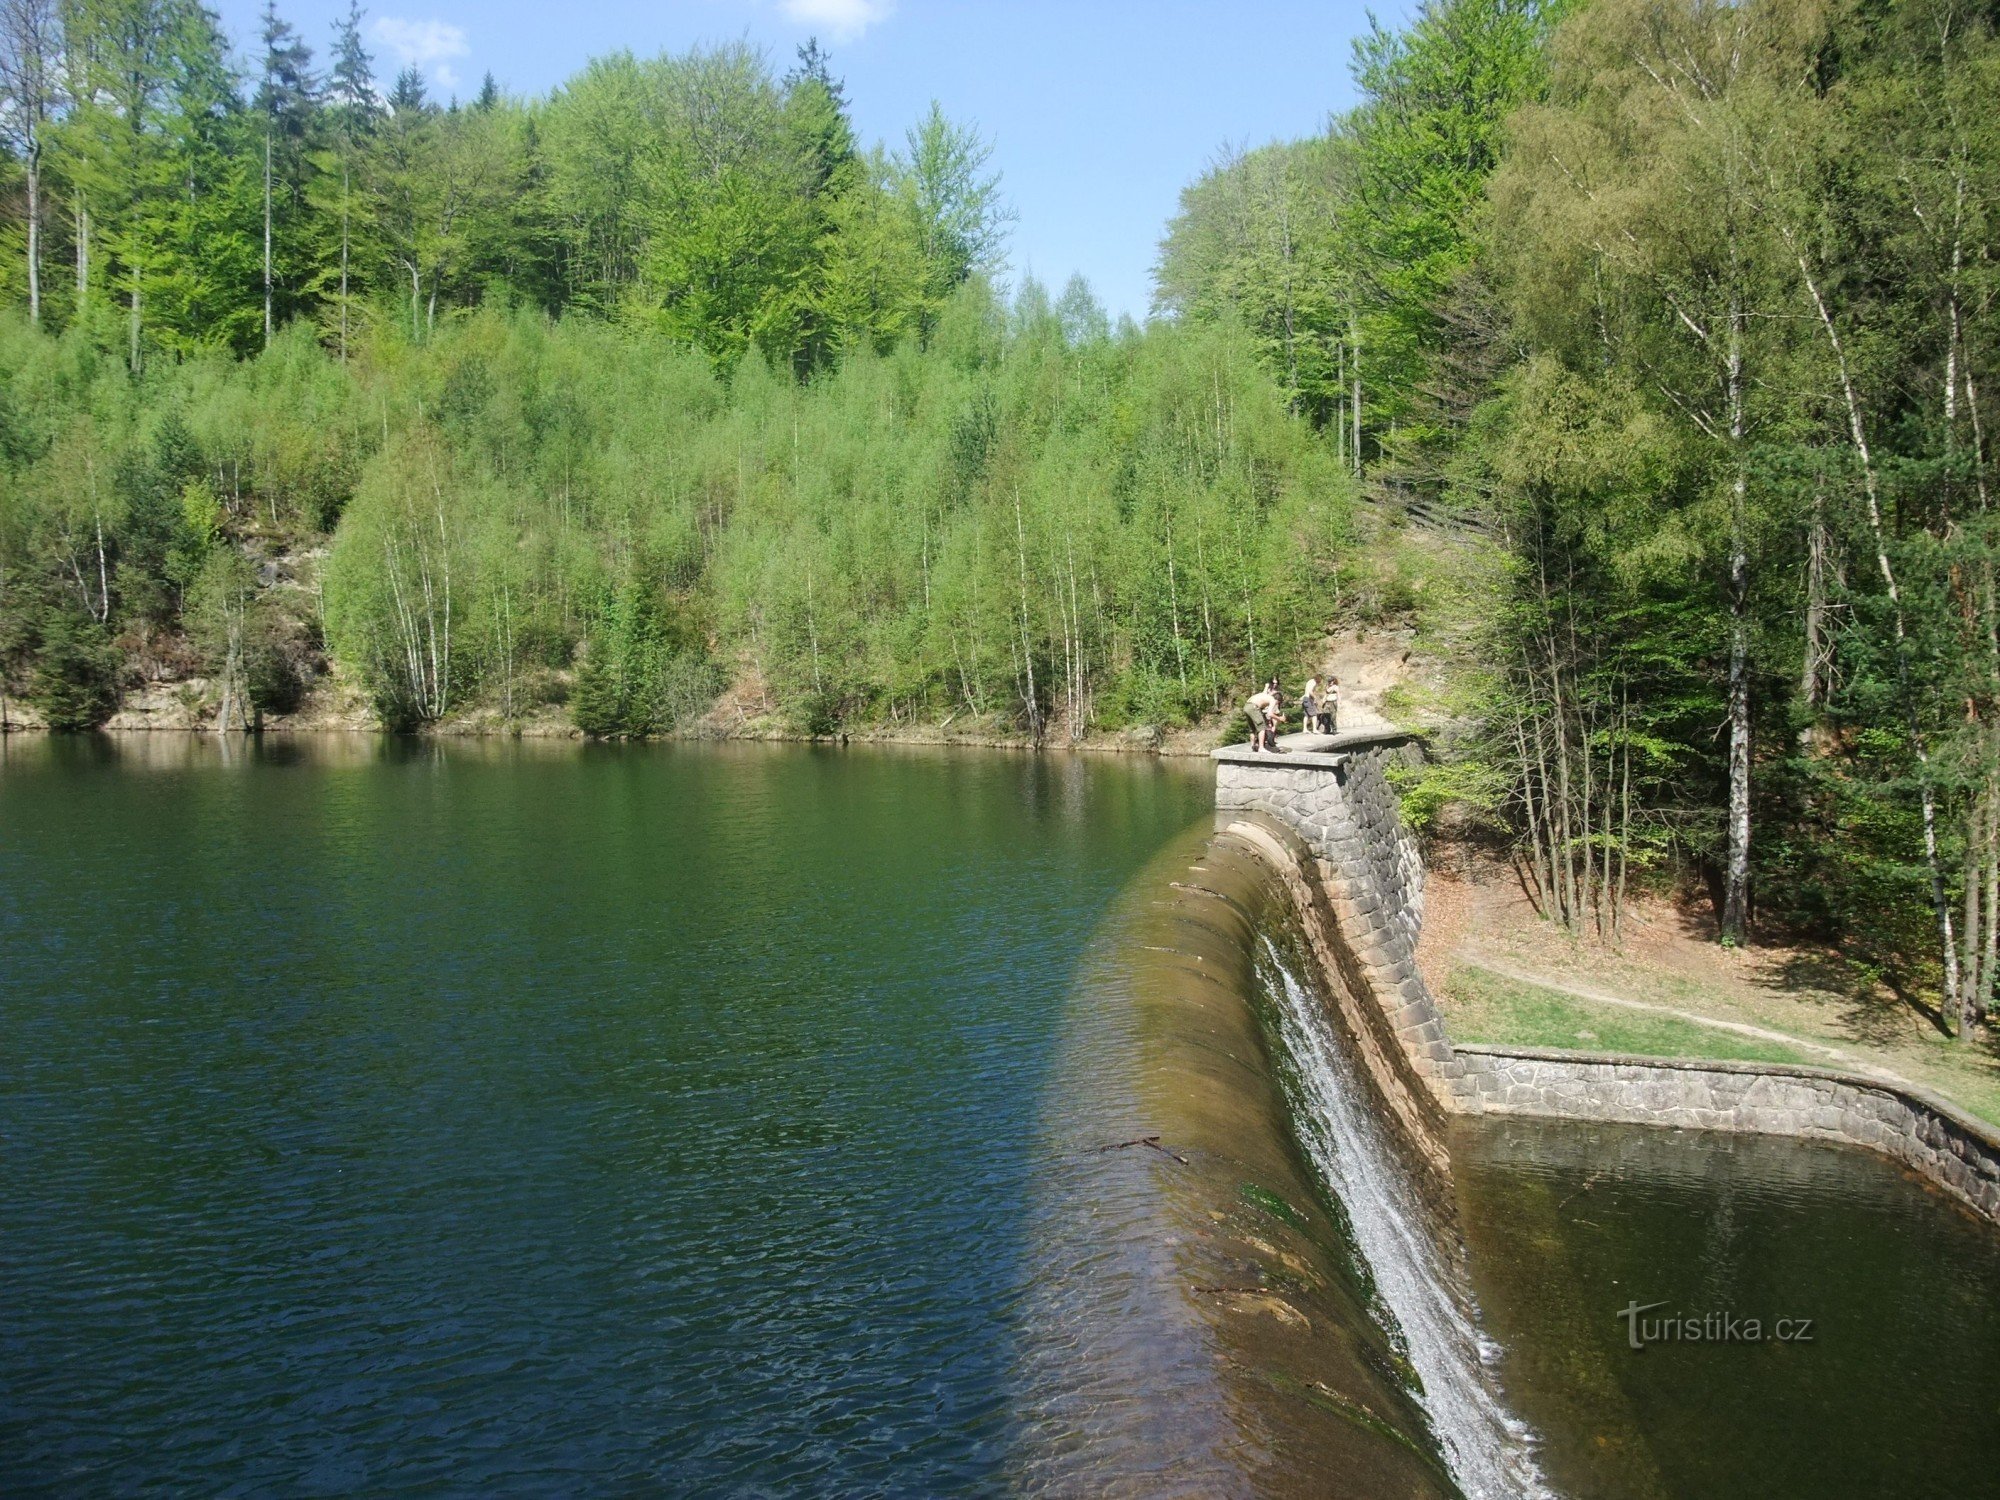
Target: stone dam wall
x=1925 y=1133
x=1328 y=816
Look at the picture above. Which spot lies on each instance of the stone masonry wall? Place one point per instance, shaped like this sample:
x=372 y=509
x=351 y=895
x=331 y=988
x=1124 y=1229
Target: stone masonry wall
x=1331 y=822
x=1921 y=1131
x=1359 y=885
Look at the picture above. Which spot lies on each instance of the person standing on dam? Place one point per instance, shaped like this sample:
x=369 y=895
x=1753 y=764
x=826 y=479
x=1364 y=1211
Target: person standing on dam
x=1262 y=711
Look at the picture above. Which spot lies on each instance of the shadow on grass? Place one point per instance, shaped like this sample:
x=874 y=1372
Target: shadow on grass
x=1873 y=1003
x=1497 y=1009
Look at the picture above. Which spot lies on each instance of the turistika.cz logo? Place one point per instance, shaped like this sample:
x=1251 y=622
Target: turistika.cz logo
x=1673 y=1327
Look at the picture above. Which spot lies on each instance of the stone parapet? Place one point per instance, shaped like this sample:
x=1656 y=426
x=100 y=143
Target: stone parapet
x=1336 y=798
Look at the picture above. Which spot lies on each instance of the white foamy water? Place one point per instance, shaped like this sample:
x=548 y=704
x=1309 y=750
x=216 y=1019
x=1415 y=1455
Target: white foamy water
x=1487 y=1448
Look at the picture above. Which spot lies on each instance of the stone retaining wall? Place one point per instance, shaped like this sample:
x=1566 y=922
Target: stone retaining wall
x=1332 y=825
x=1329 y=818
x=1920 y=1130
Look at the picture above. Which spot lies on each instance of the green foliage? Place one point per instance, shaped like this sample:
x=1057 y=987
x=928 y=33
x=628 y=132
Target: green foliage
x=1438 y=96
x=75 y=681
x=668 y=381
x=1346 y=256
x=645 y=669
x=1031 y=522
x=1463 y=783
x=1693 y=306
x=700 y=195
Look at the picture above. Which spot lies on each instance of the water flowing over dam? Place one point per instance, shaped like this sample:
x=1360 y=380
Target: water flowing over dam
x=1239 y=1284
x=1415 y=1273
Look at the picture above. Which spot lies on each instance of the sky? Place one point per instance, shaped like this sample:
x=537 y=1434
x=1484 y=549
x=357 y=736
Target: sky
x=1099 y=111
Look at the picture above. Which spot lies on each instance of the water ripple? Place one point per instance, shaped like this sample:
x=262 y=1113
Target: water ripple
x=484 y=1122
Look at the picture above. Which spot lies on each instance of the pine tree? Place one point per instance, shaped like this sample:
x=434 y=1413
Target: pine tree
x=356 y=111
x=285 y=101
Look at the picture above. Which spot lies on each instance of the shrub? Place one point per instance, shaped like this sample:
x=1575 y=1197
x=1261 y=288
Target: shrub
x=75 y=682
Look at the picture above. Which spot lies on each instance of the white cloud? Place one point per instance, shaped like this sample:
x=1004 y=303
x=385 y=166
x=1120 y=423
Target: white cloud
x=429 y=46
x=842 y=20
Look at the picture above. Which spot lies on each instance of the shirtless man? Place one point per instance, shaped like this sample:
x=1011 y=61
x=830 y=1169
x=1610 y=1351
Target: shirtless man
x=1262 y=712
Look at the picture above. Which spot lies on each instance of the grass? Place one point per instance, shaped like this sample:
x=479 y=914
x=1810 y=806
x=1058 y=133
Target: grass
x=1489 y=1008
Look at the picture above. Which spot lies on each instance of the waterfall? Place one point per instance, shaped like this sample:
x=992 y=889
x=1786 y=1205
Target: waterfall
x=1489 y=1450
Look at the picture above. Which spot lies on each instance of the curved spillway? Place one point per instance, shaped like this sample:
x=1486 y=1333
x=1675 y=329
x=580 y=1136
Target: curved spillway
x=1398 y=1237
x=1213 y=1309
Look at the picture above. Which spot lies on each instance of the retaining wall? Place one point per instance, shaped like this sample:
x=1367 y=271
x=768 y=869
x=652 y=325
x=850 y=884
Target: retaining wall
x=1327 y=814
x=1330 y=821
x=1930 y=1135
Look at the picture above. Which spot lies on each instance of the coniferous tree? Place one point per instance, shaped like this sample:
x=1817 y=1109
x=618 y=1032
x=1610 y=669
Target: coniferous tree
x=286 y=97
x=356 y=111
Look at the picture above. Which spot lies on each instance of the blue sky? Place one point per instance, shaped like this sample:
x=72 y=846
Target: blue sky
x=1099 y=110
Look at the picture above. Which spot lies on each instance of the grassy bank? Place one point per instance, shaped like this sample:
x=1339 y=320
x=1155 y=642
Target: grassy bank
x=1501 y=1011
x=1506 y=977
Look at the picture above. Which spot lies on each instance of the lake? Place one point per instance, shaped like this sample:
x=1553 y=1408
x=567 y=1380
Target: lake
x=418 y=1117
x=413 y=1117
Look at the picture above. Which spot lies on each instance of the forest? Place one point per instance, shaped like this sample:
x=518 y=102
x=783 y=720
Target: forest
x=1672 y=322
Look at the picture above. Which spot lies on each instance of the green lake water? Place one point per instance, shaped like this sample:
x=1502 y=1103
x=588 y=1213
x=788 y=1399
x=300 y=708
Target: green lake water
x=549 y=1119
x=1819 y=1323
x=510 y=1118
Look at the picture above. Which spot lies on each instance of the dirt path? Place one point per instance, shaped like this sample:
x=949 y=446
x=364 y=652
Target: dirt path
x=1840 y=1056
x=1478 y=922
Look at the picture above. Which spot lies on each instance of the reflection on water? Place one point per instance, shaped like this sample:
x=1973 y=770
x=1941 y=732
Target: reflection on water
x=384 y=1116
x=1893 y=1391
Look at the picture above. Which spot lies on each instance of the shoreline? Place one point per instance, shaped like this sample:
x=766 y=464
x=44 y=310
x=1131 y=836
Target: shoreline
x=1192 y=743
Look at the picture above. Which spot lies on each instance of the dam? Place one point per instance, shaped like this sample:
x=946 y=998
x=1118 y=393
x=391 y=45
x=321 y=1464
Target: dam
x=750 y=1118
x=1512 y=1205
x=1327 y=809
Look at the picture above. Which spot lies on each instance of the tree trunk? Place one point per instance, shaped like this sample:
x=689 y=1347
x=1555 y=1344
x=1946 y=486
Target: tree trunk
x=1736 y=882
x=1538 y=858
x=1354 y=371
x=1972 y=875
x=1858 y=434
x=1989 y=961
x=35 y=234
x=103 y=573
x=267 y=233
x=344 y=238
x=1979 y=984
x=1173 y=592
x=1027 y=650
x=1811 y=678
x=1340 y=404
